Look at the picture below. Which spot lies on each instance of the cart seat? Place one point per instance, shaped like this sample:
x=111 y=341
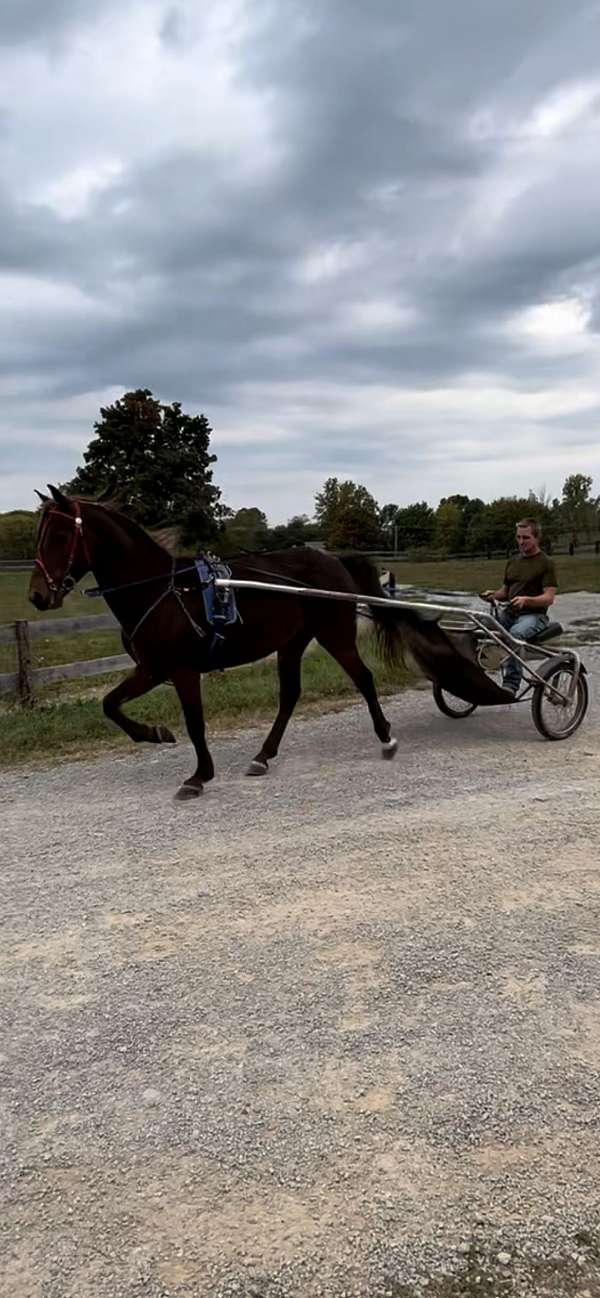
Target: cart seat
x=553 y=629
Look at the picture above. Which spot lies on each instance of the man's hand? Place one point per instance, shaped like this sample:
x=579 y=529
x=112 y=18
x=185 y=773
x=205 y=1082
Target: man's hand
x=487 y=594
x=520 y=602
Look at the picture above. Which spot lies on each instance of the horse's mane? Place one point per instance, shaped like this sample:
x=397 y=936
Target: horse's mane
x=115 y=508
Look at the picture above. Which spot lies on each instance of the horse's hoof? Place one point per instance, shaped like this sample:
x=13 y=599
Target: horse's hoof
x=188 y=791
x=257 y=768
x=389 y=750
x=164 y=735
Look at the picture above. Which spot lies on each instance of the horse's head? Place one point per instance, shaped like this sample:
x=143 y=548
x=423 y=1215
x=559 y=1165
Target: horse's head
x=62 y=556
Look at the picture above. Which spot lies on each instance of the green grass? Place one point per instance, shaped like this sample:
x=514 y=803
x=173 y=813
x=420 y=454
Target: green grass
x=78 y=727
x=49 y=650
x=14 y=603
x=577 y=573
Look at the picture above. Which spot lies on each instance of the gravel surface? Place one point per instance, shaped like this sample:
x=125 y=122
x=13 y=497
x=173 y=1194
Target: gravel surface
x=332 y=1032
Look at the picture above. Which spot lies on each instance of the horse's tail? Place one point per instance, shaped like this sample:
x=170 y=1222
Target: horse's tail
x=406 y=630
x=392 y=625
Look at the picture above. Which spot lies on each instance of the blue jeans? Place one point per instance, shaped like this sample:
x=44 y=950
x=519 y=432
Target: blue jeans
x=523 y=626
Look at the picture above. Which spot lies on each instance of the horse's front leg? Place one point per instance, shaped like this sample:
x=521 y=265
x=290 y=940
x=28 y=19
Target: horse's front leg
x=139 y=681
x=187 y=684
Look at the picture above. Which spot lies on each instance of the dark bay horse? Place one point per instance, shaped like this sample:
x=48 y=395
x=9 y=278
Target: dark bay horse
x=160 y=608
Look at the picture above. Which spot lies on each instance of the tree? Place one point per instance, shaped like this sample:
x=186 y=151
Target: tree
x=493 y=528
x=18 y=534
x=579 y=512
x=387 y=519
x=454 y=538
x=160 y=458
x=348 y=516
x=297 y=531
x=245 y=530
x=415 y=524
x=448 y=534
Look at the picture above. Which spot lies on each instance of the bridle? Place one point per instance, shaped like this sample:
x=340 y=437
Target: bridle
x=68 y=581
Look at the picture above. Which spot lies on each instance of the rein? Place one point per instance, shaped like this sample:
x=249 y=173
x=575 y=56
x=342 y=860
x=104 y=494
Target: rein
x=95 y=592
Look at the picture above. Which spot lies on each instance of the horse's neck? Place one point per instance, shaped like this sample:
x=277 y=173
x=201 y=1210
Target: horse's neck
x=119 y=555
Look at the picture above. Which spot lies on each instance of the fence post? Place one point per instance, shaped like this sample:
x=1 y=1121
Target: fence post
x=25 y=681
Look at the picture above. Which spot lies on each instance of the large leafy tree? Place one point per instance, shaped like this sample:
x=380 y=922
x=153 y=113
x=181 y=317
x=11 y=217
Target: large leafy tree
x=387 y=519
x=454 y=516
x=579 y=511
x=493 y=527
x=159 y=457
x=18 y=534
x=448 y=533
x=415 y=524
x=245 y=530
x=347 y=516
x=297 y=531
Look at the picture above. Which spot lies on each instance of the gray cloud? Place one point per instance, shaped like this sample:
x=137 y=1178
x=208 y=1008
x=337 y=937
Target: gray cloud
x=298 y=218
x=34 y=22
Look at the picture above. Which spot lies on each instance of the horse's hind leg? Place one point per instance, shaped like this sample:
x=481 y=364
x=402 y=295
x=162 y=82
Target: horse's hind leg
x=349 y=659
x=139 y=681
x=288 y=662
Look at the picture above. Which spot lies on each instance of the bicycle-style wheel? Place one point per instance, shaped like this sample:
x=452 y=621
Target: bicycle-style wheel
x=554 y=718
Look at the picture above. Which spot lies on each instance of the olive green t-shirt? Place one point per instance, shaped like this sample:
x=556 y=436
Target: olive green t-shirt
x=529 y=574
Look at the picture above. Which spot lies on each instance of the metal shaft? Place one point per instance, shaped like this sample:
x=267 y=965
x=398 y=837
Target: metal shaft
x=312 y=592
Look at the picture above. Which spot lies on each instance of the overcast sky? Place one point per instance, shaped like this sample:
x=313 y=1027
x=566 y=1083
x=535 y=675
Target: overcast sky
x=364 y=240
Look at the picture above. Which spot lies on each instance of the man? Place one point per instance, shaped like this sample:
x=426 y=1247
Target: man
x=530 y=588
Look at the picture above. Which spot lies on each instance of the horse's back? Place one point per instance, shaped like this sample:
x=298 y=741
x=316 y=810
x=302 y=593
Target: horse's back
x=299 y=565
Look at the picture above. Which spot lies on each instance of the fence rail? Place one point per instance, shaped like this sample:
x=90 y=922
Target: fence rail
x=24 y=680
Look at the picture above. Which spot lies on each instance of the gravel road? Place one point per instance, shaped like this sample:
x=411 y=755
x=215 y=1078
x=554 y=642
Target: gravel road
x=332 y=1032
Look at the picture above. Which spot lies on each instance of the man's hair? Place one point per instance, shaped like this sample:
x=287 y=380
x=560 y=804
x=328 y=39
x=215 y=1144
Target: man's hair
x=532 y=524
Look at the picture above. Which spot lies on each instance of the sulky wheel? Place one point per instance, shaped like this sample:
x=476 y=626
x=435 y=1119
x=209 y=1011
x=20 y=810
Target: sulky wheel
x=450 y=705
x=553 y=718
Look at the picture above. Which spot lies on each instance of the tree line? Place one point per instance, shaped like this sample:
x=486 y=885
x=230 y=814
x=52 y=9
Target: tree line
x=158 y=460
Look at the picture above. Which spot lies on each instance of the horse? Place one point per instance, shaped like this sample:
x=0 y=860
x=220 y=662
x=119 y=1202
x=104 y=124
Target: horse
x=159 y=605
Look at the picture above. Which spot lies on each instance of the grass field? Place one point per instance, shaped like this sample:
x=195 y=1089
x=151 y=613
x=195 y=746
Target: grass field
x=578 y=573
x=75 y=726
x=68 y=718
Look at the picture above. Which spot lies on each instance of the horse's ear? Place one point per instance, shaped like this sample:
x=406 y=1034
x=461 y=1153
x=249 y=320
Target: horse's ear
x=44 y=499
x=59 y=498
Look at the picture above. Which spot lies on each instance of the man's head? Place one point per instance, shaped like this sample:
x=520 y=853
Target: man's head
x=528 y=536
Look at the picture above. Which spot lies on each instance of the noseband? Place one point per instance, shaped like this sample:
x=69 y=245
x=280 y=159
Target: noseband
x=68 y=581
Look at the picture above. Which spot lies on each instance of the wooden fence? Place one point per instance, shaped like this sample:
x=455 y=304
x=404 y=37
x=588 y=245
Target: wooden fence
x=24 y=680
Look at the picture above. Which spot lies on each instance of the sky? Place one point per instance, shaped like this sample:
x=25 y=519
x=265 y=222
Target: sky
x=363 y=240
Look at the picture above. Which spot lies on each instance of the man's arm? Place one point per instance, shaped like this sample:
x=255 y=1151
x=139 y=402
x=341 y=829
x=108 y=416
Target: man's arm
x=536 y=603
x=500 y=594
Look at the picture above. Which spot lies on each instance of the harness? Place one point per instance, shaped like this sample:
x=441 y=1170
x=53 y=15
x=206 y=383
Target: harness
x=219 y=605
x=220 y=608
x=68 y=581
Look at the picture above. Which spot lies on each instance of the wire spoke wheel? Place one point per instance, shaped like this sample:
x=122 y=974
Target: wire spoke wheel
x=450 y=705
x=557 y=718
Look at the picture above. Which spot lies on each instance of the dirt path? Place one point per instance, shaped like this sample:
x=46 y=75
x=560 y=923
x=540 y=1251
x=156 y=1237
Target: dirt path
x=312 y=1034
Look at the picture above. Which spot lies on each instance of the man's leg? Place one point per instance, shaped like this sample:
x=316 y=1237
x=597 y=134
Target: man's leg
x=524 y=627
